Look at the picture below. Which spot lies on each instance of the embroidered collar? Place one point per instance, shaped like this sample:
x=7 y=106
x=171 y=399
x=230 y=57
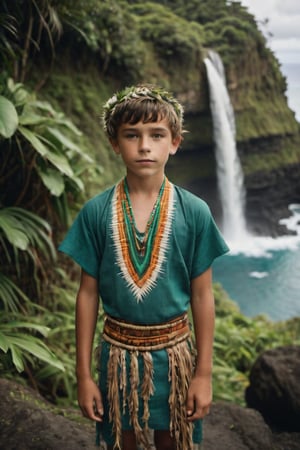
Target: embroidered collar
x=140 y=258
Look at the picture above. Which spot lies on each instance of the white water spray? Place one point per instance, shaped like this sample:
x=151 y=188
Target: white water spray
x=230 y=177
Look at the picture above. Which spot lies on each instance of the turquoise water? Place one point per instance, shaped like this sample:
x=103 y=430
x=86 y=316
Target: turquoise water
x=261 y=285
x=262 y=275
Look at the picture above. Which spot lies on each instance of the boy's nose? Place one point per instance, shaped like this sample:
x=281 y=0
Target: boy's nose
x=144 y=144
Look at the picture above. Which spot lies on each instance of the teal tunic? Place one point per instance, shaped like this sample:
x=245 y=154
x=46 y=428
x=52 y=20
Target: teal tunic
x=192 y=244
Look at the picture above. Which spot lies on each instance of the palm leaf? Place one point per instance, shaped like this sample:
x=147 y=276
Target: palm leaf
x=23 y=344
x=16 y=324
x=10 y=295
x=22 y=227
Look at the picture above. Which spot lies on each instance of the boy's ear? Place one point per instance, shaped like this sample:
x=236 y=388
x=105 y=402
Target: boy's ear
x=175 y=145
x=115 y=145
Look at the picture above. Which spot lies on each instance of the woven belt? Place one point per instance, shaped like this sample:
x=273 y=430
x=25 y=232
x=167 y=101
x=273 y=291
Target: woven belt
x=146 y=337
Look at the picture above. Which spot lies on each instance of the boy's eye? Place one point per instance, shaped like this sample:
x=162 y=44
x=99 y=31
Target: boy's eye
x=131 y=135
x=157 y=136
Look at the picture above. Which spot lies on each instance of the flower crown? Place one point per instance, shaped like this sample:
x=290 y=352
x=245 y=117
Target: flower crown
x=133 y=92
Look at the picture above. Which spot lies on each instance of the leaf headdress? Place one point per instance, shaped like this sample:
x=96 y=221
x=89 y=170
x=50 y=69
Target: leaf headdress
x=134 y=92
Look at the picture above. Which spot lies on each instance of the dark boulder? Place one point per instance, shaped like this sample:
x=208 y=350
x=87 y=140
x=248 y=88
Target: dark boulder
x=232 y=427
x=274 y=388
x=28 y=422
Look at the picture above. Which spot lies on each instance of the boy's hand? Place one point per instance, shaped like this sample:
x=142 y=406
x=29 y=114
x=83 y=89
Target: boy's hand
x=90 y=399
x=199 y=398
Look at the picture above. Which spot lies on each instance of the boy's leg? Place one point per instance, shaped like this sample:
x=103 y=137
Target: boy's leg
x=163 y=440
x=128 y=441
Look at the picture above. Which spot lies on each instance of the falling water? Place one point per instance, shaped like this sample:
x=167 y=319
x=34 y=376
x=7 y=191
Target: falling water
x=229 y=171
x=261 y=272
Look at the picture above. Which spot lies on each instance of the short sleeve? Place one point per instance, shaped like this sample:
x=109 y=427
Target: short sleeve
x=209 y=242
x=84 y=241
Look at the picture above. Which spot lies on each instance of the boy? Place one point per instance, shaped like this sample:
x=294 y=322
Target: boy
x=146 y=247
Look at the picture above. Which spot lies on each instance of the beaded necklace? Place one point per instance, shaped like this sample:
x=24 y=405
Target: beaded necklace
x=141 y=240
x=140 y=256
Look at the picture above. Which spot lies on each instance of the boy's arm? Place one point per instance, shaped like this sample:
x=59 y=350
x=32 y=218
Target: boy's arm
x=203 y=311
x=87 y=303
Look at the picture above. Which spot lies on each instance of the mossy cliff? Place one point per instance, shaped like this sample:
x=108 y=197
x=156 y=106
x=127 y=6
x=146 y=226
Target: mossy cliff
x=166 y=43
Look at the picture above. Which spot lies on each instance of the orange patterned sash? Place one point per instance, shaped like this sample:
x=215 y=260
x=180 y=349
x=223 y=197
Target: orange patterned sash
x=146 y=337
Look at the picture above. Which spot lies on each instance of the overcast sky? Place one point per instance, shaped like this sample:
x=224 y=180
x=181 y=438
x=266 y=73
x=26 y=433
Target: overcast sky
x=284 y=24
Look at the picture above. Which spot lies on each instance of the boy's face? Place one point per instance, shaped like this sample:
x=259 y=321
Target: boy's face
x=145 y=147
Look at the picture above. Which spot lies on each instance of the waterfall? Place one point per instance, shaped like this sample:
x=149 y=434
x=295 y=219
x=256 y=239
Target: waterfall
x=230 y=177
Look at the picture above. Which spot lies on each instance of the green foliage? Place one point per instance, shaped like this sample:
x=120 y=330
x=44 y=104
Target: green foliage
x=109 y=31
x=230 y=36
x=21 y=230
x=202 y=11
x=239 y=341
x=171 y=36
x=37 y=149
x=22 y=346
x=9 y=119
x=61 y=386
x=60 y=321
x=8 y=33
x=27 y=25
x=82 y=95
x=46 y=140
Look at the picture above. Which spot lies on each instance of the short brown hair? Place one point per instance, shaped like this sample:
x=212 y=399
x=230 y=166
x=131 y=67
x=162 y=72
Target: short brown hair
x=142 y=103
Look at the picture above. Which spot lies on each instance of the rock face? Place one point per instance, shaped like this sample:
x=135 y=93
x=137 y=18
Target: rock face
x=268 y=196
x=231 y=427
x=28 y=422
x=275 y=388
x=273 y=186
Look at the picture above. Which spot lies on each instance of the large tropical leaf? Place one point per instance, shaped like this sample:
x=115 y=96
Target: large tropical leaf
x=37 y=229
x=21 y=344
x=13 y=229
x=47 y=149
x=8 y=118
x=58 y=118
x=11 y=296
x=21 y=228
x=34 y=140
x=60 y=162
x=29 y=118
x=53 y=180
x=21 y=324
x=20 y=95
x=63 y=139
